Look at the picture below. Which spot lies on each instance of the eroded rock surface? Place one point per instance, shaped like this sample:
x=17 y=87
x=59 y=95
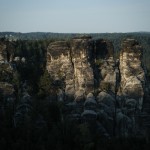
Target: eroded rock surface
x=107 y=66
x=6 y=51
x=60 y=67
x=131 y=72
x=2 y=49
x=107 y=91
x=69 y=65
x=6 y=89
x=81 y=52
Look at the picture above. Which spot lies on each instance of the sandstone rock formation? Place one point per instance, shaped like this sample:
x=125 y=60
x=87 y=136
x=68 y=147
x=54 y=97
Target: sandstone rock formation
x=81 y=50
x=82 y=65
x=132 y=74
x=2 y=49
x=69 y=66
x=7 y=90
x=92 y=86
x=60 y=67
x=6 y=51
x=106 y=64
x=102 y=88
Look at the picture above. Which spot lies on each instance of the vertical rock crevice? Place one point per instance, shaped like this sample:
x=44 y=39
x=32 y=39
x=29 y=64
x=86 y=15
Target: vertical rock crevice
x=59 y=65
x=103 y=89
x=83 y=72
x=132 y=84
x=132 y=73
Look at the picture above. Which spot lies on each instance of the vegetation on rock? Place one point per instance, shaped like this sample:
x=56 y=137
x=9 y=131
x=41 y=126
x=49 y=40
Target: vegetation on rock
x=45 y=109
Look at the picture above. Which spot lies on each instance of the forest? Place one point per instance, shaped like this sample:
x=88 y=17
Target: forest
x=116 y=38
x=30 y=121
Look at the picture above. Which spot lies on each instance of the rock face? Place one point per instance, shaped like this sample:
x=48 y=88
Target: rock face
x=107 y=67
x=81 y=50
x=92 y=85
x=2 y=49
x=81 y=66
x=60 y=67
x=70 y=67
x=102 y=89
x=132 y=74
x=6 y=51
x=84 y=65
x=6 y=89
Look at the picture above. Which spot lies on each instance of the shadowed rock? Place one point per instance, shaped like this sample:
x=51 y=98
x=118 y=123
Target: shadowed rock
x=132 y=73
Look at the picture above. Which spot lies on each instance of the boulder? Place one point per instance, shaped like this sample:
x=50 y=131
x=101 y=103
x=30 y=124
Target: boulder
x=89 y=115
x=106 y=99
x=6 y=89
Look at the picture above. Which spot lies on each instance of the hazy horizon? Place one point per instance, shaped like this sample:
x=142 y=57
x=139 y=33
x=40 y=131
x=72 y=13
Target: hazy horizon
x=74 y=32
x=80 y=16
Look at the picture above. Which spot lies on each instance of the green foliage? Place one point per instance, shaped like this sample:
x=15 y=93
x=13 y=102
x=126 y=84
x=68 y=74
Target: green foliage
x=85 y=137
x=99 y=62
x=6 y=74
x=16 y=79
x=45 y=84
x=28 y=43
x=53 y=130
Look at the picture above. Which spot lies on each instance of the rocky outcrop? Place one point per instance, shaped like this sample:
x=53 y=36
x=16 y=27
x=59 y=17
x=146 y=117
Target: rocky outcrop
x=102 y=89
x=6 y=51
x=90 y=106
x=69 y=66
x=107 y=66
x=2 y=49
x=132 y=74
x=84 y=76
x=60 y=67
x=81 y=52
x=6 y=72
x=81 y=66
x=7 y=90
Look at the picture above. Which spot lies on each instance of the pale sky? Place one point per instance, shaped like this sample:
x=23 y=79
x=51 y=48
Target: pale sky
x=74 y=16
